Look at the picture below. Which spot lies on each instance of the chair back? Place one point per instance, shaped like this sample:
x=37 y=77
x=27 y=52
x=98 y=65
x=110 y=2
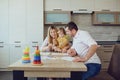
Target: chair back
x=114 y=66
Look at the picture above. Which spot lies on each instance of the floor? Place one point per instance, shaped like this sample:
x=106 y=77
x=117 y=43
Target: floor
x=5 y=75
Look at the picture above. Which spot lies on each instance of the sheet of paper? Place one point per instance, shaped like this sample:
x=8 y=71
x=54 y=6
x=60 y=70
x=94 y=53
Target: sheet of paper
x=68 y=58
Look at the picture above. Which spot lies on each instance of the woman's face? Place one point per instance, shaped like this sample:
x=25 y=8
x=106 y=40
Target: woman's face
x=53 y=33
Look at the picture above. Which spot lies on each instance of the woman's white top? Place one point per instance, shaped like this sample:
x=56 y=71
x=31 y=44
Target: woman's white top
x=81 y=43
x=45 y=43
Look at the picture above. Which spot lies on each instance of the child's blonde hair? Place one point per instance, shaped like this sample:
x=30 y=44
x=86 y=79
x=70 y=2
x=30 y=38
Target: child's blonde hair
x=63 y=30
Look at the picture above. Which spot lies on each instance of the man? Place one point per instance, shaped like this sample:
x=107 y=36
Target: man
x=84 y=48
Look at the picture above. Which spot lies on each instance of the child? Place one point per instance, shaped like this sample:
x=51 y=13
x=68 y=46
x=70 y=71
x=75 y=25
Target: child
x=63 y=42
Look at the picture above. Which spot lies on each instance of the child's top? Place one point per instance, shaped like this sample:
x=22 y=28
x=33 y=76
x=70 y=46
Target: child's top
x=63 y=41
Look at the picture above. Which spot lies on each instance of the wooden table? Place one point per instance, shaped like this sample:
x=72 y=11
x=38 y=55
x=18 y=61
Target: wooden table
x=57 y=68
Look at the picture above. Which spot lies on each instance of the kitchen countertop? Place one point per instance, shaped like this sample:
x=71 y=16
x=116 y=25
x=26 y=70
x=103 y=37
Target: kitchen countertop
x=108 y=42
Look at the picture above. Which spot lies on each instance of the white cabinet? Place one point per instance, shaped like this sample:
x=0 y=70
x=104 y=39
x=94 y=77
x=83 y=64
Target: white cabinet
x=105 y=4
x=17 y=21
x=4 y=21
x=26 y=26
x=21 y=24
x=34 y=21
x=57 y=4
x=16 y=52
x=4 y=56
x=81 y=4
x=117 y=5
x=4 y=38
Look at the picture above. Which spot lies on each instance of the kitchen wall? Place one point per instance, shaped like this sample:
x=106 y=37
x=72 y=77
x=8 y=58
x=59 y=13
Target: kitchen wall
x=99 y=33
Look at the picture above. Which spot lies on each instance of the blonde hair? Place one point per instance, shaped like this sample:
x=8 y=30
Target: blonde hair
x=63 y=30
x=48 y=34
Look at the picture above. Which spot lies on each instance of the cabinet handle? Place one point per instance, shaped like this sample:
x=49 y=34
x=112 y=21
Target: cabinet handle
x=57 y=22
x=34 y=42
x=1 y=46
x=17 y=46
x=106 y=61
x=106 y=23
x=107 y=46
x=17 y=42
x=34 y=46
x=107 y=51
x=1 y=42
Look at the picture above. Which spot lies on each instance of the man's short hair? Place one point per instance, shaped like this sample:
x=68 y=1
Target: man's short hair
x=71 y=25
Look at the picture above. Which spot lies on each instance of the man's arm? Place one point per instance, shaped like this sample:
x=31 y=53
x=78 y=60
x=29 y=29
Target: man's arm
x=89 y=54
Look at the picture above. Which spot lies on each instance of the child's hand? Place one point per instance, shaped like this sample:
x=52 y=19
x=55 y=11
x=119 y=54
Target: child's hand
x=72 y=52
x=64 y=50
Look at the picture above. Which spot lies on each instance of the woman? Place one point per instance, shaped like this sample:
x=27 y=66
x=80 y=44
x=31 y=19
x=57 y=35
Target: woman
x=51 y=39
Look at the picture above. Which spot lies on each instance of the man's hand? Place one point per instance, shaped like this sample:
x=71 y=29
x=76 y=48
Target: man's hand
x=72 y=52
x=79 y=59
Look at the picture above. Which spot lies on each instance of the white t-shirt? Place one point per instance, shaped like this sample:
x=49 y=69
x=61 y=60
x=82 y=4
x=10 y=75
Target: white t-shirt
x=45 y=43
x=81 y=43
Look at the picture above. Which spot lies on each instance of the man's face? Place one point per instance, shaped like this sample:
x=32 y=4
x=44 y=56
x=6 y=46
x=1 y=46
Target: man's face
x=69 y=32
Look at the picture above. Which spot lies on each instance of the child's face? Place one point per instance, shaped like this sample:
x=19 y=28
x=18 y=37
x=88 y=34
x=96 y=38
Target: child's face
x=60 y=33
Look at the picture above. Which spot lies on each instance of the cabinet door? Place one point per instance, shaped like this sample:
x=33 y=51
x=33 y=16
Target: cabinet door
x=17 y=20
x=34 y=21
x=81 y=4
x=104 y=18
x=117 y=5
x=105 y=5
x=118 y=17
x=4 y=56
x=16 y=52
x=105 y=53
x=57 y=4
x=4 y=21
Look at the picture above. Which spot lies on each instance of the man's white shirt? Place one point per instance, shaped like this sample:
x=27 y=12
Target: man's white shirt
x=81 y=43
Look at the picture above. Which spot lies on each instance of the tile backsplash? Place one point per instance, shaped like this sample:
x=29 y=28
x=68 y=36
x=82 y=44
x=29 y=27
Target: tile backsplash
x=99 y=33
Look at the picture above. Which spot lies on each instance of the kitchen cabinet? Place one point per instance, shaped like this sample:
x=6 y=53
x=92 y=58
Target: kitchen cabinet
x=4 y=22
x=82 y=4
x=21 y=25
x=105 y=5
x=17 y=21
x=118 y=17
x=117 y=5
x=26 y=27
x=57 y=17
x=16 y=52
x=35 y=24
x=105 y=53
x=57 y=4
x=26 y=21
x=105 y=18
x=4 y=56
x=4 y=37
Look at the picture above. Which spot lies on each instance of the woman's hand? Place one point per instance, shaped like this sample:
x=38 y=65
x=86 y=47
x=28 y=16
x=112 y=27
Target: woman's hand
x=72 y=52
x=49 y=47
x=55 y=42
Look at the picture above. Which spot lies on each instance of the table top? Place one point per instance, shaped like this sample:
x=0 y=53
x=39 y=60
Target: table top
x=55 y=63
